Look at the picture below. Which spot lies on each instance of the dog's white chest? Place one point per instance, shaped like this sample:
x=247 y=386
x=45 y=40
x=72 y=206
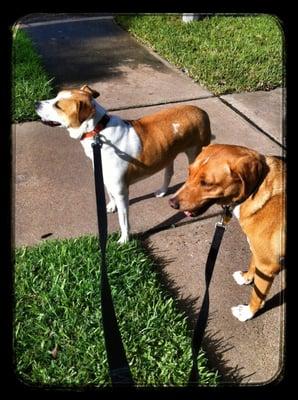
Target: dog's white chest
x=236 y=212
x=87 y=146
x=121 y=145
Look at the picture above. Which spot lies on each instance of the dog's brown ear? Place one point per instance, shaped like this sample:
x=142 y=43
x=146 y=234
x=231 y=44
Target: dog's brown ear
x=85 y=111
x=248 y=171
x=88 y=89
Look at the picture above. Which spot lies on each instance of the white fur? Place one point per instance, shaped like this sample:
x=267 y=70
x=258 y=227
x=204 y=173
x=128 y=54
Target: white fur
x=236 y=211
x=176 y=127
x=121 y=143
x=239 y=278
x=48 y=112
x=242 y=312
x=111 y=206
x=169 y=171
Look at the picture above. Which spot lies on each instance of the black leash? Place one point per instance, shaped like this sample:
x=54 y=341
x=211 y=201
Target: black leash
x=201 y=323
x=118 y=365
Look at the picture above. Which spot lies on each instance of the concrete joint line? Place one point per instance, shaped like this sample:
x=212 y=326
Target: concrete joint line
x=161 y=103
x=61 y=21
x=251 y=122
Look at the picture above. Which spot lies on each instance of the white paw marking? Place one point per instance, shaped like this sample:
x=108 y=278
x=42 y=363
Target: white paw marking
x=242 y=312
x=239 y=278
x=160 y=192
x=111 y=207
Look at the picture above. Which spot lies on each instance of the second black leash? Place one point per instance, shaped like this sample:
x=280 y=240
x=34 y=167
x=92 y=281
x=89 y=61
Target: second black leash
x=201 y=323
x=118 y=365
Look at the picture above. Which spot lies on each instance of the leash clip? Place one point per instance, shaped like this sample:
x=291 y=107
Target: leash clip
x=226 y=216
x=97 y=141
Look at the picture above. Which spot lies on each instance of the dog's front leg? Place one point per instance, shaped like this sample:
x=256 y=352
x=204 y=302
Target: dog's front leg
x=263 y=279
x=121 y=200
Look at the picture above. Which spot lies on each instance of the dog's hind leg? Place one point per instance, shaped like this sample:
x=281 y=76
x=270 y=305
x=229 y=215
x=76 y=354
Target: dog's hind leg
x=111 y=206
x=169 y=172
x=192 y=153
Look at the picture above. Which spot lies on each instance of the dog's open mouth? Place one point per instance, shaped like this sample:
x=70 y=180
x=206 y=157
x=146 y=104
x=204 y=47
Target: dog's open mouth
x=199 y=211
x=50 y=123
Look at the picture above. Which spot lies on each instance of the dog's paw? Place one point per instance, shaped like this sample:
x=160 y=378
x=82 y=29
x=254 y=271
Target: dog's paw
x=111 y=207
x=240 y=279
x=123 y=239
x=160 y=192
x=242 y=312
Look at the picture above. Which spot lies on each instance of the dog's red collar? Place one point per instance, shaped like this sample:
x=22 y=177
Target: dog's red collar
x=99 y=127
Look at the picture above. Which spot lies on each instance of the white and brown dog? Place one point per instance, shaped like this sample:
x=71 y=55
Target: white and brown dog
x=132 y=150
x=254 y=186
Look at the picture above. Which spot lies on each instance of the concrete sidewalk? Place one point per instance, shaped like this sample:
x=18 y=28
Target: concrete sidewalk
x=54 y=191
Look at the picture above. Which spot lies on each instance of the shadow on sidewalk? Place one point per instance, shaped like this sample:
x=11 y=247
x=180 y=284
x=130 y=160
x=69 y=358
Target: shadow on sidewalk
x=173 y=222
x=171 y=190
x=214 y=344
x=89 y=51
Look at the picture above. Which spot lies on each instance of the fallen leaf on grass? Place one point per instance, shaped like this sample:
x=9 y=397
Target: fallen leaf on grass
x=54 y=352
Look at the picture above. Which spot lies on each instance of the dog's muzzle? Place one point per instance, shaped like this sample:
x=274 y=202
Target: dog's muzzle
x=38 y=107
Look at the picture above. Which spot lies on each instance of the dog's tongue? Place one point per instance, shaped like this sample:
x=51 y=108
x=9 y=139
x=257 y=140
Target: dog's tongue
x=188 y=213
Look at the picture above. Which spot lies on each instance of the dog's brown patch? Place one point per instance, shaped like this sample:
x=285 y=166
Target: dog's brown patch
x=77 y=108
x=164 y=135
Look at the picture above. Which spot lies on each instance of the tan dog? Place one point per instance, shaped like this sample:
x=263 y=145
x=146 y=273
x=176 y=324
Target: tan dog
x=131 y=150
x=253 y=185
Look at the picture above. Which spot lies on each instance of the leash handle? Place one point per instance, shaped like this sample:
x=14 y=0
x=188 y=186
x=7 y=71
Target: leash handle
x=118 y=365
x=201 y=323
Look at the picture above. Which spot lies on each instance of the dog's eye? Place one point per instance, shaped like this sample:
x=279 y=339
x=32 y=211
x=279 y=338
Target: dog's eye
x=57 y=105
x=204 y=183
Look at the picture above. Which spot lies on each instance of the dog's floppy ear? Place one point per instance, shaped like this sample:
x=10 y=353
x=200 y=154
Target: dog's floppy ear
x=85 y=111
x=88 y=89
x=248 y=170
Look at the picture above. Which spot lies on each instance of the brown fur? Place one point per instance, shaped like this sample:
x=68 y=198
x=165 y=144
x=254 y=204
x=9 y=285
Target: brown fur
x=160 y=145
x=225 y=174
x=78 y=108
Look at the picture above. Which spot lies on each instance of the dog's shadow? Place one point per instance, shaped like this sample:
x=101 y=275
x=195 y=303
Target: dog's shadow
x=171 y=190
x=277 y=300
x=176 y=220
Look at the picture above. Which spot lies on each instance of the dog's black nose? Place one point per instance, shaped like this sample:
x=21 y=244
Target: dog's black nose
x=37 y=105
x=174 y=203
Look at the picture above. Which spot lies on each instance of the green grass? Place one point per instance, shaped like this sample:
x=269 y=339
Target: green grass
x=223 y=53
x=30 y=82
x=57 y=307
